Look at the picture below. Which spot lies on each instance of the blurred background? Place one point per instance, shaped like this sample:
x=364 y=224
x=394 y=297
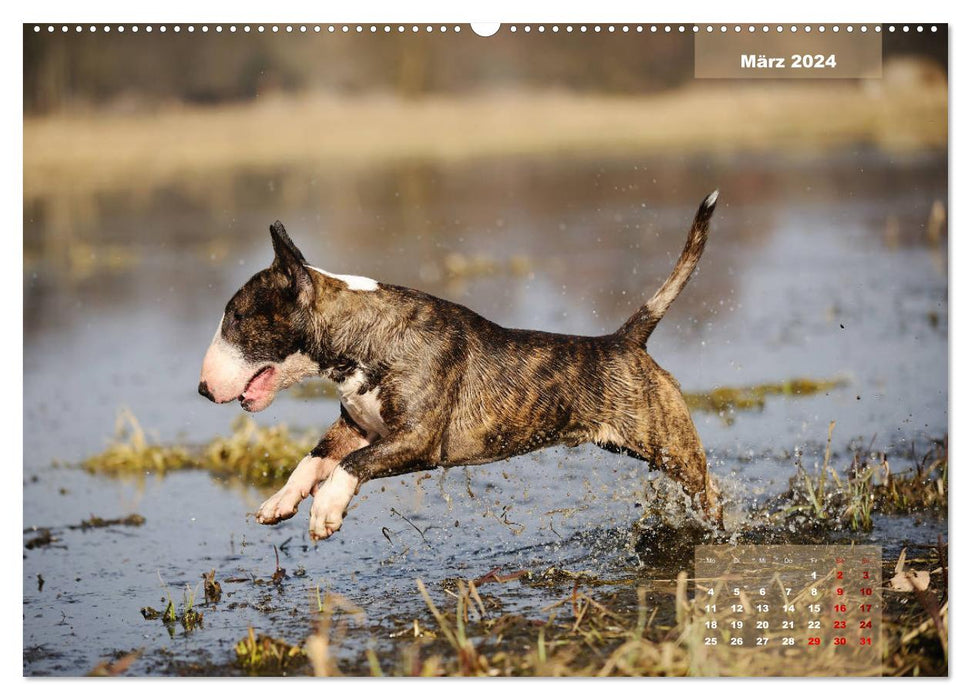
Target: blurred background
x=150 y=70
x=546 y=180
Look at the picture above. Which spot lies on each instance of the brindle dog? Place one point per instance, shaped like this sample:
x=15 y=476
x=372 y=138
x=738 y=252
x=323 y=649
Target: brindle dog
x=427 y=383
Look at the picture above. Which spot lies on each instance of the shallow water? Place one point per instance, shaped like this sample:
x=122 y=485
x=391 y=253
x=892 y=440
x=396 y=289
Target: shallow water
x=814 y=269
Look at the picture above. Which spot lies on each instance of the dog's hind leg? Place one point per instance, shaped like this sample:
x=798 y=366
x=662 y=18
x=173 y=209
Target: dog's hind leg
x=664 y=435
x=685 y=463
x=340 y=440
x=689 y=467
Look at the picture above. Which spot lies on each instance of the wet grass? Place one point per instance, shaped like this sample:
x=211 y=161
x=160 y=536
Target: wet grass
x=824 y=498
x=265 y=655
x=314 y=389
x=581 y=634
x=130 y=451
x=578 y=635
x=726 y=401
x=187 y=615
x=260 y=456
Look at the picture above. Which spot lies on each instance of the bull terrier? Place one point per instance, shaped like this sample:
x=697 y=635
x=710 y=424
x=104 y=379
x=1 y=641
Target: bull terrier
x=427 y=383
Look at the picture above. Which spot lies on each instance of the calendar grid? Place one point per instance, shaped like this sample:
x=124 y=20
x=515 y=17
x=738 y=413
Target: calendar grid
x=787 y=610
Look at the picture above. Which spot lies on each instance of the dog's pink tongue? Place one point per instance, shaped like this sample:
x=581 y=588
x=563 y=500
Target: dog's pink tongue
x=259 y=393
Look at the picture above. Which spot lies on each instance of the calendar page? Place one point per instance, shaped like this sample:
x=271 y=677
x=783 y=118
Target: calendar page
x=583 y=342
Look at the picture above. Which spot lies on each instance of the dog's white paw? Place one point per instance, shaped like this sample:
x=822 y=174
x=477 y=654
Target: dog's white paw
x=330 y=503
x=280 y=506
x=283 y=504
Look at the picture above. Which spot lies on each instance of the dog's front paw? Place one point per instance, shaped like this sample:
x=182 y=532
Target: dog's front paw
x=283 y=504
x=330 y=503
x=280 y=506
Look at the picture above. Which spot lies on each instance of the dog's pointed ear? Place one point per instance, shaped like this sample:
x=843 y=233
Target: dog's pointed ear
x=290 y=261
x=282 y=245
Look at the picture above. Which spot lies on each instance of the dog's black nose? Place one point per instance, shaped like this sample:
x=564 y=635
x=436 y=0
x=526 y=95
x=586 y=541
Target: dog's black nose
x=204 y=390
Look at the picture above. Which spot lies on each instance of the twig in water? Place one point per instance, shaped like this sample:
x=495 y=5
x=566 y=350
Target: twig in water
x=417 y=529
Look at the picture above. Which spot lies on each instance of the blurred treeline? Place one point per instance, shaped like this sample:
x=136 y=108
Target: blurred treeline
x=84 y=70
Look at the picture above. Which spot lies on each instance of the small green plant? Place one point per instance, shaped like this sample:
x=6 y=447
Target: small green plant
x=170 y=615
x=188 y=617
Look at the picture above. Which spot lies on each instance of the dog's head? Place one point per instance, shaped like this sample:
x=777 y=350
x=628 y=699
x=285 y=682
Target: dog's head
x=260 y=346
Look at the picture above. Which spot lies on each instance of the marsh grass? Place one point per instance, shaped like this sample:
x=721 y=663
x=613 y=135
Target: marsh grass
x=263 y=456
x=725 y=401
x=130 y=451
x=262 y=654
x=190 y=617
x=623 y=626
x=823 y=498
x=578 y=635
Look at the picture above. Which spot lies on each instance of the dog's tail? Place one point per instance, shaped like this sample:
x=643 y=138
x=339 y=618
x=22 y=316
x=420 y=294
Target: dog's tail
x=640 y=326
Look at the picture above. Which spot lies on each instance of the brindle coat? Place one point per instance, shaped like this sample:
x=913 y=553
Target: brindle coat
x=455 y=388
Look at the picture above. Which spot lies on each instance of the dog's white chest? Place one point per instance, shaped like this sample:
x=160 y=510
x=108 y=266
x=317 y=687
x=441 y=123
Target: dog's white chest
x=364 y=408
